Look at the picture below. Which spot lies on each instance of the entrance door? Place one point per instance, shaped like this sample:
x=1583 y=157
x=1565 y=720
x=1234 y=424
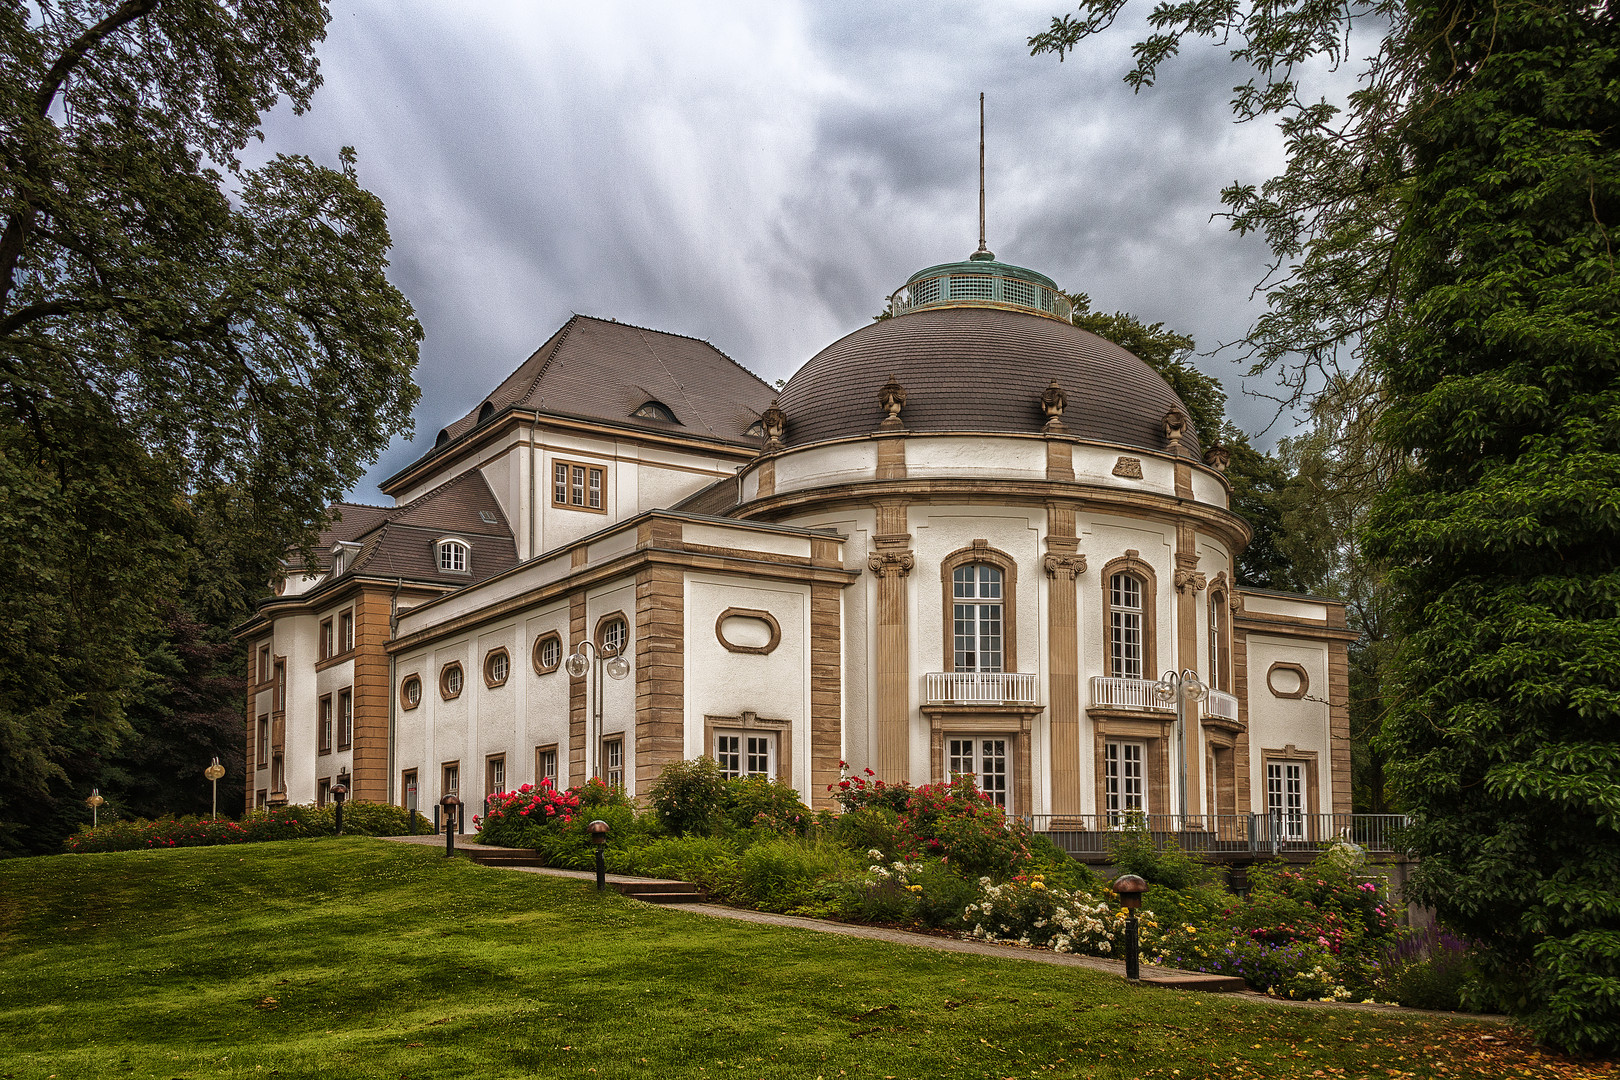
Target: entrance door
x=1285 y=797
x=985 y=759
x=1123 y=782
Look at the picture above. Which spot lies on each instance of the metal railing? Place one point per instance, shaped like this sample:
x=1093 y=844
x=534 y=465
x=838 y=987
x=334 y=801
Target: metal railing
x=989 y=287
x=979 y=688
x=1110 y=692
x=1221 y=704
x=1234 y=834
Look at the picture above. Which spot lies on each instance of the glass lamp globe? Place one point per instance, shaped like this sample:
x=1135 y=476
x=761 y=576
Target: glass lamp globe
x=1164 y=691
x=576 y=665
x=617 y=667
x=1194 y=689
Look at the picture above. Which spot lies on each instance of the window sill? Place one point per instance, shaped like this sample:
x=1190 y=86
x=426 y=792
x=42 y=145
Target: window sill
x=334 y=661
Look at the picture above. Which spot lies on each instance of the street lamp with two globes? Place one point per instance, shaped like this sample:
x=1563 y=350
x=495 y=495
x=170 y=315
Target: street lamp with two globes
x=590 y=658
x=1182 y=688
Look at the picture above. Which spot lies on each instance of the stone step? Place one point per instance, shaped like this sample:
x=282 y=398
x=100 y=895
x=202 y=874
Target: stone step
x=1193 y=980
x=667 y=897
x=660 y=892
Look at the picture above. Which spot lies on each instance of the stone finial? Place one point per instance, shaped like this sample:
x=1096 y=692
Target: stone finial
x=1175 y=428
x=892 y=398
x=1053 y=402
x=1218 y=457
x=774 y=421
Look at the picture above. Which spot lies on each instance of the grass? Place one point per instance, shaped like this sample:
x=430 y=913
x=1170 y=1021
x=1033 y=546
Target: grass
x=346 y=958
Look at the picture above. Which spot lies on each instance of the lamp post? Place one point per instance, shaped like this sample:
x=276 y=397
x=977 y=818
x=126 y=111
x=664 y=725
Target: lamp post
x=339 y=791
x=450 y=804
x=598 y=831
x=1130 y=889
x=1181 y=688
x=94 y=803
x=214 y=772
x=587 y=657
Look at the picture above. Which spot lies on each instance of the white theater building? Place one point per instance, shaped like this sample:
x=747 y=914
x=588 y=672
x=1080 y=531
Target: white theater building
x=965 y=538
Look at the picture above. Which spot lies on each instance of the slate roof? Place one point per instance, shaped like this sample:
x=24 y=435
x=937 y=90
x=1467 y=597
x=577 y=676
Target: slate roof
x=399 y=542
x=603 y=370
x=981 y=370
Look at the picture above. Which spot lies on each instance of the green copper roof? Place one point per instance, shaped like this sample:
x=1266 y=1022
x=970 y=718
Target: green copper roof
x=981 y=281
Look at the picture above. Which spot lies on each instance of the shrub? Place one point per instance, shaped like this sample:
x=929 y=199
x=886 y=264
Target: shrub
x=955 y=822
x=854 y=792
x=687 y=797
x=943 y=895
x=753 y=802
x=783 y=873
x=1027 y=911
x=869 y=828
x=513 y=816
x=707 y=862
x=1133 y=851
x=278 y=823
x=1430 y=969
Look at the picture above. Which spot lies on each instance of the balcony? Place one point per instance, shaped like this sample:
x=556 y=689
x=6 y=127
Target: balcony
x=1221 y=706
x=1112 y=693
x=978 y=688
x=1239 y=837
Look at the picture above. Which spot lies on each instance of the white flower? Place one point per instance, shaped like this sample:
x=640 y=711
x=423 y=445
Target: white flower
x=875 y=854
x=1103 y=946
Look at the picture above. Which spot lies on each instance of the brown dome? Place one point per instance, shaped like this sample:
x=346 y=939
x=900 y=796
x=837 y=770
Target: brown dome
x=980 y=369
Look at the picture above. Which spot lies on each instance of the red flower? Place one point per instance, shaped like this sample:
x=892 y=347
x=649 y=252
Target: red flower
x=869 y=772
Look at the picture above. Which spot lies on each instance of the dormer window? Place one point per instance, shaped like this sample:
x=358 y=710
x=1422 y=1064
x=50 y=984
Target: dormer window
x=453 y=555
x=486 y=411
x=756 y=430
x=655 y=410
x=343 y=553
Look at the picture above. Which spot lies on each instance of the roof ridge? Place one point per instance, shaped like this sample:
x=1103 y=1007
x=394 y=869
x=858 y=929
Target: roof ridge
x=689 y=337
x=433 y=493
x=557 y=340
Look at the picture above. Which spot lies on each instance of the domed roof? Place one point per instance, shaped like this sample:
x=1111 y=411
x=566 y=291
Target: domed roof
x=980 y=369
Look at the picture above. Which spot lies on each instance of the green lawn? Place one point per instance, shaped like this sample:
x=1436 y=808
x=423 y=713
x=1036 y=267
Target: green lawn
x=362 y=958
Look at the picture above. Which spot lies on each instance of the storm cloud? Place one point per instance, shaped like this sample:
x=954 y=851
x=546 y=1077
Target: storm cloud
x=763 y=175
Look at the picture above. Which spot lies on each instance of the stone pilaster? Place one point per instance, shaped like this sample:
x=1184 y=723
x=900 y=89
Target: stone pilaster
x=1064 y=564
x=892 y=562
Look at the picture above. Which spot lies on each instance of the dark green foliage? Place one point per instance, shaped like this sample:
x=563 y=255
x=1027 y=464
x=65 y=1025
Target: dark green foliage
x=869 y=828
x=279 y=823
x=686 y=797
x=1504 y=536
x=1132 y=851
x=1452 y=226
x=754 y=802
x=195 y=358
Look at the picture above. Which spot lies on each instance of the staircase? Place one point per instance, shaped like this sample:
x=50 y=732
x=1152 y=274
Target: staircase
x=647 y=890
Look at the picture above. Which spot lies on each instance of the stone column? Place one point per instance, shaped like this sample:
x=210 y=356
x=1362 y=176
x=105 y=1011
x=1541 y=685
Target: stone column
x=1189 y=583
x=1063 y=564
x=892 y=562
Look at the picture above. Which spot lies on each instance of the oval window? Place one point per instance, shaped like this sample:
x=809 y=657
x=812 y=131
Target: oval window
x=1287 y=680
x=410 y=692
x=748 y=631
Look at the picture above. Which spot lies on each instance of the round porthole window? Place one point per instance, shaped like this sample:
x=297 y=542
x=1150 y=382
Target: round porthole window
x=497 y=666
x=547 y=654
x=450 y=681
x=410 y=692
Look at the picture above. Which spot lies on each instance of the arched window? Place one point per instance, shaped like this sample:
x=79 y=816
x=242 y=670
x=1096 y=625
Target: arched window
x=976 y=607
x=1126 y=626
x=1220 y=645
x=655 y=410
x=453 y=556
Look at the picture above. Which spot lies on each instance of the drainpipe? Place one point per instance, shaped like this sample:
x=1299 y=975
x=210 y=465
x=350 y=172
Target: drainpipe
x=393 y=705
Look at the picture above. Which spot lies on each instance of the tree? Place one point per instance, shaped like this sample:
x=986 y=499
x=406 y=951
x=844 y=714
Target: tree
x=1259 y=481
x=195 y=357
x=1447 y=224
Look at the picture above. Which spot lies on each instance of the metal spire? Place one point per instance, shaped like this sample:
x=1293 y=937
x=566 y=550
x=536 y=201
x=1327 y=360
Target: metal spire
x=983 y=252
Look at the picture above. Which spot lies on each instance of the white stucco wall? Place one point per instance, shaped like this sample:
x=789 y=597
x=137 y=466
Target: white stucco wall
x=1276 y=722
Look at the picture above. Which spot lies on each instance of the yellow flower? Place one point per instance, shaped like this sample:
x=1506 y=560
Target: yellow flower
x=914 y=888
x=1037 y=884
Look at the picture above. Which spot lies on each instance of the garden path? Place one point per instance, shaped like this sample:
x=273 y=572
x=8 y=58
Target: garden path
x=1166 y=978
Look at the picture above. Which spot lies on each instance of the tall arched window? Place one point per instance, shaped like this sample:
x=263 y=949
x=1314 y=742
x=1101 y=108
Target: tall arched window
x=976 y=594
x=1126 y=626
x=1217 y=667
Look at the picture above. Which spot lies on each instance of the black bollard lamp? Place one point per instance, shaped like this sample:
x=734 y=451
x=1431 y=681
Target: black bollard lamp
x=340 y=791
x=598 y=831
x=450 y=804
x=1130 y=889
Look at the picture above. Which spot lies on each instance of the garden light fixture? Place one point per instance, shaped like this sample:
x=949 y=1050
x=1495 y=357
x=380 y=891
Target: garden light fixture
x=213 y=773
x=450 y=804
x=1130 y=889
x=94 y=803
x=598 y=831
x=340 y=790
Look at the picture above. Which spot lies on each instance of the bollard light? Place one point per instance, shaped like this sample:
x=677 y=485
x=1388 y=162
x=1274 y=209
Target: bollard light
x=598 y=832
x=1130 y=889
x=213 y=773
x=450 y=804
x=340 y=791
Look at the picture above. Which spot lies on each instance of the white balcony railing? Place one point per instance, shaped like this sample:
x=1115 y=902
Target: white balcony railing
x=1221 y=705
x=1111 y=693
x=979 y=688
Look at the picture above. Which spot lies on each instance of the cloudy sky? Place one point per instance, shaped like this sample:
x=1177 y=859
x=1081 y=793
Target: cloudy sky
x=763 y=175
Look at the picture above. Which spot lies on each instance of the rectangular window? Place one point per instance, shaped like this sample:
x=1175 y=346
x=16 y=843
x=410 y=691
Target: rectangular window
x=278 y=773
x=326 y=639
x=346 y=632
x=746 y=753
x=985 y=760
x=495 y=775
x=345 y=718
x=1122 y=781
x=452 y=780
x=976 y=613
x=261 y=799
x=613 y=762
x=1125 y=627
x=264 y=665
x=323 y=791
x=408 y=789
x=578 y=486
x=326 y=724
x=281 y=686
x=728 y=754
x=1285 y=797
x=264 y=741
x=545 y=765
